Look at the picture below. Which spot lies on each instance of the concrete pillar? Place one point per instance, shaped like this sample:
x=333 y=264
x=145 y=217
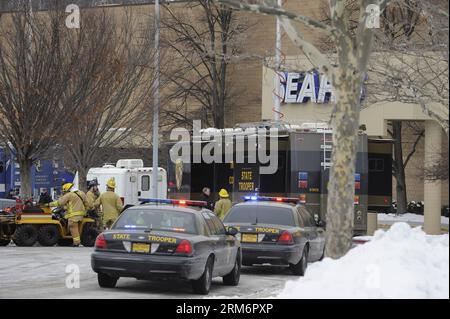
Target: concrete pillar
x=432 y=189
x=372 y=222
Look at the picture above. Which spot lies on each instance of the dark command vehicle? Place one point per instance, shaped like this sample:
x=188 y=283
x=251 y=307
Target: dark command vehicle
x=303 y=167
x=172 y=239
x=277 y=231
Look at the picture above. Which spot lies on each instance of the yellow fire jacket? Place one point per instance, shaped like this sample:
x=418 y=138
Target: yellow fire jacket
x=222 y=207
x=75 y=203
x=111 y=205
x=91 y=197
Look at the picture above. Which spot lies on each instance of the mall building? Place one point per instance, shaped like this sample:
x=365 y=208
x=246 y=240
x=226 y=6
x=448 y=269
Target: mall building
x=254 y=84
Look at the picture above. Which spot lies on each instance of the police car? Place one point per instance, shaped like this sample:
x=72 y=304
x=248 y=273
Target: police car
x=277 y=231
x=177 y=239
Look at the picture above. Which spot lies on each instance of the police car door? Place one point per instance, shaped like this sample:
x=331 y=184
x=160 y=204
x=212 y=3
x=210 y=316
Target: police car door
x=219 y=239
x=227 y=242
x=312 y=234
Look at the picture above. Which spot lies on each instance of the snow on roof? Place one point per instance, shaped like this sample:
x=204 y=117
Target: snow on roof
x=399 y=263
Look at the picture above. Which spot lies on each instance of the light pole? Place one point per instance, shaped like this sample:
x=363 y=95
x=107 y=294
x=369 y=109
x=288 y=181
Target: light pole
x=276 y=95
x=155 y=164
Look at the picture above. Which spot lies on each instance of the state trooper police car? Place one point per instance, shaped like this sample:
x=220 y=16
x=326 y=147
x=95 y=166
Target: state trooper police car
x=277 y=231
x=170 y=239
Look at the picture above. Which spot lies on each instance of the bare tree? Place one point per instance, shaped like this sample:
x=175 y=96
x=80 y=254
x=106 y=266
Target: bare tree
x=400 y=162
x=352 y=53
x=411 y=66
x=412 y=63
x=116 y=104
x=204 y=37
x=34 y=76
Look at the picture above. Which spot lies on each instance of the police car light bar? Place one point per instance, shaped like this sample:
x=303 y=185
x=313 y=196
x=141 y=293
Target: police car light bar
x=271 y=199
x=182 y=202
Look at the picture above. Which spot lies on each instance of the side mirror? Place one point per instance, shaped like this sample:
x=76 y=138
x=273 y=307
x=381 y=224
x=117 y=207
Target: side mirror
x=232 y=231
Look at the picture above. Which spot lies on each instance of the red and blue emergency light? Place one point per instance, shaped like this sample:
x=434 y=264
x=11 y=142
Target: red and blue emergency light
x=181 y=202
x=271 y=199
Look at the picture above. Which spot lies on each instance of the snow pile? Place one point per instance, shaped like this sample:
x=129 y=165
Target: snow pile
x=408 y=217
x=399 y=263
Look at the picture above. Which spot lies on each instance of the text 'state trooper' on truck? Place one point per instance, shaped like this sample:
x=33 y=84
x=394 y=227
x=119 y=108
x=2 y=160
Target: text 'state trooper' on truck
x=304 y=161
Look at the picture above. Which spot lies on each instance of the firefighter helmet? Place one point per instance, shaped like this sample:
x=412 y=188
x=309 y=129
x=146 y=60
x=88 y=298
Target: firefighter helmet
x=111 y=183
x=66 y=187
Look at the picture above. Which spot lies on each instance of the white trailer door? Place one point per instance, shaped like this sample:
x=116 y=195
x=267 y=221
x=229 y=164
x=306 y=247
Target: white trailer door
x=144 y=185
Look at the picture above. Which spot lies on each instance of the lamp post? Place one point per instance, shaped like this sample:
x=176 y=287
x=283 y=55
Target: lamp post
x=155 y=164
x=277 y=102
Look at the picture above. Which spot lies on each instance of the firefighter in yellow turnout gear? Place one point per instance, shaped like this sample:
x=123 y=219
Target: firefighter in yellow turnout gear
x=111 y=204
x=223 y=205
x=93 y=192
x=75 y=203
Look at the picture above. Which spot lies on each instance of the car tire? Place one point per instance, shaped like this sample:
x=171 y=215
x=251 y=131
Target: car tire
x=232 y=279
x=299 y=269
x=89 y=235
x=106 y=281
x=25 y=235
x=202 y=285
x=4 y=242
x=48 y=235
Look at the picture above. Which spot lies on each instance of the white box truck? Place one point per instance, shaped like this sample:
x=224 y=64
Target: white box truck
x=133 y=180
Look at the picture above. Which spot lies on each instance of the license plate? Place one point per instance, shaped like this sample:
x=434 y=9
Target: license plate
x=249 y=238
x=140 y=248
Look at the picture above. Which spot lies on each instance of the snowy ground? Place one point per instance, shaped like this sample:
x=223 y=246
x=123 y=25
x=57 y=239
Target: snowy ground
x=399 y=263
x=40 y=272
x=413 y=219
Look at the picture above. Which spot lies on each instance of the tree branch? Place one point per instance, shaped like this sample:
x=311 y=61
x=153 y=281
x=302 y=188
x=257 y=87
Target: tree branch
x=277 y=11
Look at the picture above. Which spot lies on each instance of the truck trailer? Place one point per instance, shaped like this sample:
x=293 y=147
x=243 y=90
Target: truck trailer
x=303 y=165
x=133 y=180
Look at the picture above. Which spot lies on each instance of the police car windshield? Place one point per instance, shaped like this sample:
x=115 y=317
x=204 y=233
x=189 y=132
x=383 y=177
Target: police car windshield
x=259 y=214
x=155 y=219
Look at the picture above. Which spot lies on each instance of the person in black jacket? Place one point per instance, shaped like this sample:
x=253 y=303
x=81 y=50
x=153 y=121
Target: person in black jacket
x=206 y=197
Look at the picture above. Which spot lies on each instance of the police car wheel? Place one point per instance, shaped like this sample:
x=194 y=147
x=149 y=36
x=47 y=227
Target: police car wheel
x=4 y=242
x=299 y=269
x=202 y=285
x=25 y=235
x=106 y=281
x=48 y=235
x=232 y=279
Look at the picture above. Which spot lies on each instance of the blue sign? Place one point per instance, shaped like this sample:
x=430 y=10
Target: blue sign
x=302 y=176
x=49 y=173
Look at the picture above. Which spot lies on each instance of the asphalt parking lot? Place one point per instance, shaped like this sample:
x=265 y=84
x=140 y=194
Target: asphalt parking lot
x=49 y=272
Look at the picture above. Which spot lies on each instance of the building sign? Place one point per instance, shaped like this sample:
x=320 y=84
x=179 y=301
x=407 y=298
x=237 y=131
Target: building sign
x=304 y=87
